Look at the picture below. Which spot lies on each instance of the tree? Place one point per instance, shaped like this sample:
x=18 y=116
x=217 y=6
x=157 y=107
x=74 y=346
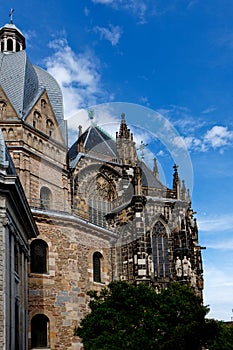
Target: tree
x=128 y=317
x=218 y=335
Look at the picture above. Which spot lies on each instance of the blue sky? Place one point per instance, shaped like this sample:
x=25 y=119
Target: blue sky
x=174 y=57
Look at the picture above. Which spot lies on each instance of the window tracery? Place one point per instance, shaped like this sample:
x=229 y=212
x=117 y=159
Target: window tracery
x=160 y=251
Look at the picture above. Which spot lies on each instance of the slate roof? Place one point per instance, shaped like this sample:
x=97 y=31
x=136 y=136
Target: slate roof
x=23 y=83
x=96 y=141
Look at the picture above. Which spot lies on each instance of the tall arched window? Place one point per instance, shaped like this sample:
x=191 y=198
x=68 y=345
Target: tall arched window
x=45 y=198
x=97 y=257
x=40 y=331
x=160 y=251
x=39 y=256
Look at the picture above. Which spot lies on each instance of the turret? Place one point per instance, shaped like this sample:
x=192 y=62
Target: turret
x=11 y=39
x=176 y=182
x=126 y=151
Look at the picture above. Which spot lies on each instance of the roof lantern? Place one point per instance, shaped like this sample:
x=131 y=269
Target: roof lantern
x=11 y=39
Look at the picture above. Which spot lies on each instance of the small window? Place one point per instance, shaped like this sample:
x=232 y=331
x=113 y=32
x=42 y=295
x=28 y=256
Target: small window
x=17 y=46
x=37 y=120
x=9 y=45
x=43 y=105
x=97 y=257
x=50 y=127
x=39 y=253
x=40 y=331
x=45 y=198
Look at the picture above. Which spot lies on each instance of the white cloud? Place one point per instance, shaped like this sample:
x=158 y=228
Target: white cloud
x=138 y=8
x=218 y=136
x=212 y=224
x=209 y=110
x=112 y=34
x=218 y=291
x=77 y=74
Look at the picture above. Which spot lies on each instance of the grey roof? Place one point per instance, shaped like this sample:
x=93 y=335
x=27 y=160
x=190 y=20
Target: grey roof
x=96 y=142
x=148 y=178
x=23 y=83
x=18 y=79
x=46 y=81
x=11 y=26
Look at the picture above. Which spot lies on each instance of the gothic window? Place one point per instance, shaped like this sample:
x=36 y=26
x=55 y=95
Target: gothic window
x=97 y=210
x=9 y=45
x=43 y=105
x=40 y=331
x=97 y=257
x=2 y=109
x=37 y=120
x=45 y=198
x=160 y=251
x=39 y=252
x=49 y=127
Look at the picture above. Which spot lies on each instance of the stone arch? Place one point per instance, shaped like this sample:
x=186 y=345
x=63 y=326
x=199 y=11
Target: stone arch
x=52 y=326
x=11 y=134
x=29 y=138
x=40 y=145
x=4 y=132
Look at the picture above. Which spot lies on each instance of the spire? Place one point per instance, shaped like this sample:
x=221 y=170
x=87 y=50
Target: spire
x=124 y=132
x=176 y=181
x=183 y=191
x=11 y=39
x=126 y=151
x=155 y=170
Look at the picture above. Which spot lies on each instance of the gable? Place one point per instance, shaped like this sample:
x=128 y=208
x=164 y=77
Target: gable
x=7 y=110
x=42 y=118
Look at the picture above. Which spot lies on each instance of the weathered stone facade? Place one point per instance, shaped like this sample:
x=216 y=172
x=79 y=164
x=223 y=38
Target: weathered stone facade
x=101 y=213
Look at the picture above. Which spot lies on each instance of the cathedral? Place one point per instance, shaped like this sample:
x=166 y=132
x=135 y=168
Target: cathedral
x=75 y=218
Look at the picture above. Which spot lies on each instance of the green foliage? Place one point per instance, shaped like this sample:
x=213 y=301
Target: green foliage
x=218 y=335
x=127 y=317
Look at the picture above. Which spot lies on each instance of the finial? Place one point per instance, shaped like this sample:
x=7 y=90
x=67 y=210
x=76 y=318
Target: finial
x=80 y=130
x=141 y=148
x=91 y=114
x=183 y=191
x=11 y=16
x=123 y=116
x=175 y=167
